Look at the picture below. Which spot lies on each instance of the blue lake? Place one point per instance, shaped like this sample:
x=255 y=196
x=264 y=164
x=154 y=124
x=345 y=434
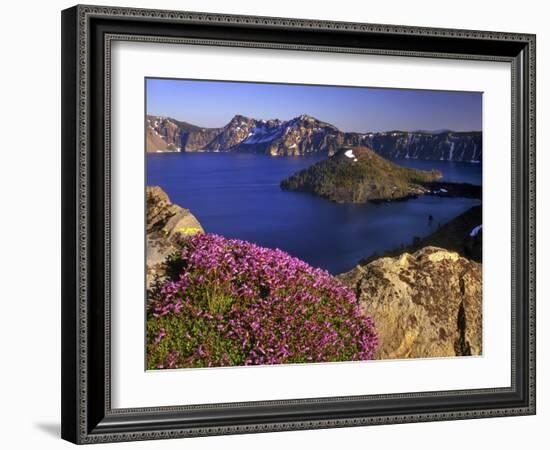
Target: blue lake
x=238 y=196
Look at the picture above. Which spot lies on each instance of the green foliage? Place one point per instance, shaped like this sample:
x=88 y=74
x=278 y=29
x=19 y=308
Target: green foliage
x=190 y=335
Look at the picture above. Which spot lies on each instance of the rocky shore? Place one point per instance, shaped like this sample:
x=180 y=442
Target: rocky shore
x=463 y=234
x=446 y=189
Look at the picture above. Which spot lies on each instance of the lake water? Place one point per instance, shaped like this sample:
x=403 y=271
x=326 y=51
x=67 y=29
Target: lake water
x=453 y=171
x=238 y=196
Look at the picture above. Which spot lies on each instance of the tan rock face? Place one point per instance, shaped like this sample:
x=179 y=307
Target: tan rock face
x=167 y=223
x=197 y=140
x=162 y=135
x=426 y=304
x=155 y=142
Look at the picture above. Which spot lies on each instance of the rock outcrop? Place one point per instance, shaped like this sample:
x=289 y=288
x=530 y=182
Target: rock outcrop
x=426 y=304
x=167 y=223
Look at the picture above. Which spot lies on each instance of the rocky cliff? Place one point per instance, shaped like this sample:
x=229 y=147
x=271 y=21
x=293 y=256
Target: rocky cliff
x=169 y=135
x=167 y=223
x=358 y=175
x=425 y=304
x=446 y=145
x=305 y=135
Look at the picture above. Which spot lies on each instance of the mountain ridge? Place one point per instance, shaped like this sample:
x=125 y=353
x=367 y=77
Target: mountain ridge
x=305 y=135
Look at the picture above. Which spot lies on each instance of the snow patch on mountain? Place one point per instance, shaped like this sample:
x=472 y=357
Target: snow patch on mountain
x=263 y=134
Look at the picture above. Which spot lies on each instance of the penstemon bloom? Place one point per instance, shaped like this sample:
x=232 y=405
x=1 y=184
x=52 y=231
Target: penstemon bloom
x=236 y=303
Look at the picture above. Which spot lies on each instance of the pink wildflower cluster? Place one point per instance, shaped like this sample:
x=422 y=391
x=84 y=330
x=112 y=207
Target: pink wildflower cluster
x=235 y=303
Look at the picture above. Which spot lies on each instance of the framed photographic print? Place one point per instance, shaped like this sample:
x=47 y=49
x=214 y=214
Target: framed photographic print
x=281 y=224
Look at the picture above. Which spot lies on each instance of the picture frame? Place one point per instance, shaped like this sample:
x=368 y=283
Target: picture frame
x=88 y=33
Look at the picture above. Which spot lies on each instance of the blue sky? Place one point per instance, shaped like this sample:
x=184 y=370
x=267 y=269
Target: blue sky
x=360 y=109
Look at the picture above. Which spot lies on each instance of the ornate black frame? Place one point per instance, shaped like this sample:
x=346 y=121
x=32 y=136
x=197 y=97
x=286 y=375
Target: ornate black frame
x=87 y=32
